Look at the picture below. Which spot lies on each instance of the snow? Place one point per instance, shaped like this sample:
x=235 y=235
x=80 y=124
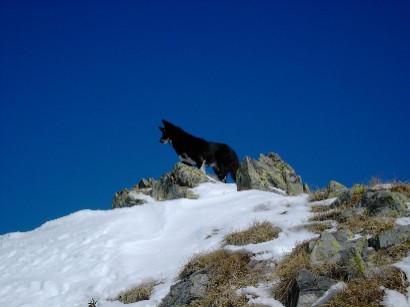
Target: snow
x=98 y=254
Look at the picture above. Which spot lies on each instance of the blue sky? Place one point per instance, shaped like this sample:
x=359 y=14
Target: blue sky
x=84 y=85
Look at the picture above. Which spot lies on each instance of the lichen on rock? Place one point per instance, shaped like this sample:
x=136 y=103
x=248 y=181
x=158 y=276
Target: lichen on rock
x=268 y=173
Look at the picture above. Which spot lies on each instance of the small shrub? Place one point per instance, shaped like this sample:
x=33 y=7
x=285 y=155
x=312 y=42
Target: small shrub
x=137 y=294
x=259 y=232
x=92 y=303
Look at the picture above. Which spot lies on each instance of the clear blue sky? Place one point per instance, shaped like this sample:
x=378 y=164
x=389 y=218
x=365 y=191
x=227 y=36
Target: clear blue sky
x=84 y=85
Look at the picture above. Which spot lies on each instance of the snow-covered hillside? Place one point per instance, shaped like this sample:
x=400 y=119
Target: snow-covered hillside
x=98 y=254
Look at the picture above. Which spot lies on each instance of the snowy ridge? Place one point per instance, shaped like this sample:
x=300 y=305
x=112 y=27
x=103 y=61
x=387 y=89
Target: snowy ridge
x=98 y=254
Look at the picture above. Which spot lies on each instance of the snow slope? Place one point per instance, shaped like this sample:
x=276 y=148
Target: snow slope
x=98 y=254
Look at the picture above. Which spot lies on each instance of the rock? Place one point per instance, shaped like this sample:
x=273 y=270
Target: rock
x=124 y=198
x=335 y=189
x=177 y=184
x=360 y=200
x=187 y=290
x=394 y=236
x=343 y=236
x=352 y=263
x=384 y=203
x=189 y=176
x=344 y=198
x=306 y=188
x=359 y=189
x=146 y=183
x=308 y=288
x=173 y=185
x=330 y=293
x=325 y=250
x=341 y=248
x=269 y=173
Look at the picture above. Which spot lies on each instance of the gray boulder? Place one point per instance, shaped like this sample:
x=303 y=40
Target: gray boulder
x=268 y=173
x=326 y=250
x=334 y=189
x=393 y=236
x=308 y=288
x=352 y=263
x=187 y=290
x=340 y=248
x=177 y=184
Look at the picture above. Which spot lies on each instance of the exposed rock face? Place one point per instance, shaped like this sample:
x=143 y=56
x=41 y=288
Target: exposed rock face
x=268 y=173
x=308 y=288
x=361 y=200
x=186 y=291
x=173 y=185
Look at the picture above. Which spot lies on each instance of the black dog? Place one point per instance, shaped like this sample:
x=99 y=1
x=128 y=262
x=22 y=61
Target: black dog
x=195 y=151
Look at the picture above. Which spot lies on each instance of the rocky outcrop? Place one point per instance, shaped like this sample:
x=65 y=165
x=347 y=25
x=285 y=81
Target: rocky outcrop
x=178 y=183
x=125 y=198
x=268 y=173
x=361 y=200
x=173 y=185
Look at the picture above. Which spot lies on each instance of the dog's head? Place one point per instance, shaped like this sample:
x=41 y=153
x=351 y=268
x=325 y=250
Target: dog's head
x=166 y=132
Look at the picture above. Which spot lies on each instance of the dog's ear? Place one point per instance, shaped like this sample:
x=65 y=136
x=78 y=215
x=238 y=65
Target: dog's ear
x=162 y=129
x=165 y=123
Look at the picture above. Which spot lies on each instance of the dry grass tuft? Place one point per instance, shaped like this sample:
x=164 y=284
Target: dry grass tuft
x=369 y=292
x=400 y=187
x=318 y=227
x=320 y=208
x=221 y=299
x=332 y=214
x=392 y=254
x=137 y=294
x=318 y=195
x=257 y=233
x=227 y=271
x=286 y=270
x=368 y=225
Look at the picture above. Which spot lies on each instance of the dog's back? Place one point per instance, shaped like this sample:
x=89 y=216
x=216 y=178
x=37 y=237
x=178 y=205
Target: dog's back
x=196 y=151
